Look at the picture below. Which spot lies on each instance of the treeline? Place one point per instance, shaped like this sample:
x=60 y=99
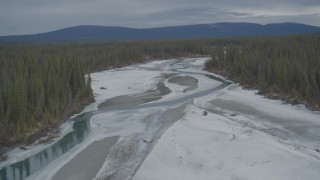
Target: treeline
x=286 y=68
x=38 y=89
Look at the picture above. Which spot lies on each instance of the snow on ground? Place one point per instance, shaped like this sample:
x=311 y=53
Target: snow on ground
x=204 y=83
x=196 y=61
x=213 y=147
x=293 y=123
x=272 y=107
x=155 y=64
x=111 y=83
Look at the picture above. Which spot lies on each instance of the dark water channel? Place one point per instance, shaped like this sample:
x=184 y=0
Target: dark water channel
x=22 y=169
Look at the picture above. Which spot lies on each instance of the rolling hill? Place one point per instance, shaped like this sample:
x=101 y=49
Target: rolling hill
x=92 y=33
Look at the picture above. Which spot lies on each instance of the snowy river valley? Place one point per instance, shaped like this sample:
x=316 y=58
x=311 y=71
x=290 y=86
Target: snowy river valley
x=148 y=123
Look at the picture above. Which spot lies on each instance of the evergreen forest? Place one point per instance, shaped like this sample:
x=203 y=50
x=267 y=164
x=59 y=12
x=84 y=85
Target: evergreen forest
x=286 y=68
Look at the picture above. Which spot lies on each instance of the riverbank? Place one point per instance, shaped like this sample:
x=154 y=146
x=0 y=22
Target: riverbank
x=251 y=84
x=44 y=133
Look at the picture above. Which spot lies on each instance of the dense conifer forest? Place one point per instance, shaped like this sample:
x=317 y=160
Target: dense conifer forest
x=41 y=85
x=286 y=68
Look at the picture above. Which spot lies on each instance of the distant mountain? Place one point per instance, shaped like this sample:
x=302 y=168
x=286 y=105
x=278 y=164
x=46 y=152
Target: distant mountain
x=82 y=33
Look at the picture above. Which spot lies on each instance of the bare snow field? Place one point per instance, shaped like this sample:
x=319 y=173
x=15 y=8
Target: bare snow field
x=227 y=146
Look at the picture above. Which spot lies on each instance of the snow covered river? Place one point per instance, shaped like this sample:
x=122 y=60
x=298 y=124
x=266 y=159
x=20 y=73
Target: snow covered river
x=148 y=123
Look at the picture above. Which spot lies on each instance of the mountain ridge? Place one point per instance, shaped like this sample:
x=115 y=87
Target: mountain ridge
x=114 y=33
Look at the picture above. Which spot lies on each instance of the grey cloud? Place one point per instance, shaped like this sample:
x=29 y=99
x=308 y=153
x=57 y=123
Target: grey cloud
x=238 y=14
x=34 y=16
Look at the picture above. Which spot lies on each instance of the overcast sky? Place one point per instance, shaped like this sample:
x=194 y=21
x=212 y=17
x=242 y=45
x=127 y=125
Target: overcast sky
x=35 y=16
